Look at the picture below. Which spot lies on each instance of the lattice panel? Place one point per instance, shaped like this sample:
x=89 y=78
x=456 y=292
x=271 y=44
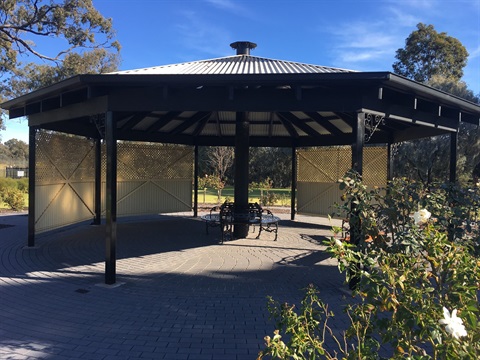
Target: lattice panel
x=62 y=157
x=330 y=164
x=64 y=180
x=320 y=169
x=323 y=165
x=375 y=166
x=137 y=161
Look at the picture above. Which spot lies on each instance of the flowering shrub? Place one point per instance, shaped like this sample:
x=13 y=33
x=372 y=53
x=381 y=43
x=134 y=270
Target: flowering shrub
x=412 y=260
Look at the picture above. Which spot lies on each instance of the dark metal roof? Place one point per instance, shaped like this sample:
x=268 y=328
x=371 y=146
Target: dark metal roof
x=288 y=103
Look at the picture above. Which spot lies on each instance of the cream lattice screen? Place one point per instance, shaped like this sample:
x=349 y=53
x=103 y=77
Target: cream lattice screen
x=64 y=180
x=152 y=178
x=318 y=171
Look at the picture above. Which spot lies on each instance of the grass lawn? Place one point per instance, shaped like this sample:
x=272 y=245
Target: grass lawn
x=210 y=196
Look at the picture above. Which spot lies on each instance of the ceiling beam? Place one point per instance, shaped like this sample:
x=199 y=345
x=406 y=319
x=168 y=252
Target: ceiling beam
x=162 y=121
x=135 y=120
x=288 y=126
x=301 y=124
x=198 y=117
x=324 y=122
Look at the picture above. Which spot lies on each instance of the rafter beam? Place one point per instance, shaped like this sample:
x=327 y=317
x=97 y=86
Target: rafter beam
x=323 y=121
x=300 y=124
x=199 y=116
x=288 y=126
x=134 y=120
x=164 y=120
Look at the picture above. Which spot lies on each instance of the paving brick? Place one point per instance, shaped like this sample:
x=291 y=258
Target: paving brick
x=184 y=296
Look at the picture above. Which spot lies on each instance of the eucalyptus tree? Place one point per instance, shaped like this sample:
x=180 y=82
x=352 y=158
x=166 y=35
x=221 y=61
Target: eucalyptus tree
x=428 y=53
x=437 y=60
x=71 y=25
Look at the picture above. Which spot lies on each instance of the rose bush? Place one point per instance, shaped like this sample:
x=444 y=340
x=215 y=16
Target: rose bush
x=412 y=255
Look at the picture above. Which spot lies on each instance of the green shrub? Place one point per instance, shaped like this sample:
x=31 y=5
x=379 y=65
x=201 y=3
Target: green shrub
x=22 y=184
x=14 y=198
x=412 y=260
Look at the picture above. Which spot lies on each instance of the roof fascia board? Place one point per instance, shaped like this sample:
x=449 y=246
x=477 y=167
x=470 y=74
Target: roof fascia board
x=433 y=94
x=88 y=108
x=46 y=92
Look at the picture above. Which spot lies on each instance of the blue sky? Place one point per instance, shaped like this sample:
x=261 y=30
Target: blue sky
x=353 y=34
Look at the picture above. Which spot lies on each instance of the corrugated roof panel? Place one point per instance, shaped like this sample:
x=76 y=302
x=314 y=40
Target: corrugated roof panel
x=237 y=64
x=227 y=129
x=210 y=129
x=299 y=131
x=318 y=128
x=279 y=130
x=342 y=125
x=171 y=125
x=145 y=123
x=300 y=115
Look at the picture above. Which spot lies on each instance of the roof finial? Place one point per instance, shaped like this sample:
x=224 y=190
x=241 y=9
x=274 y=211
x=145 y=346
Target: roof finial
x=243 y=47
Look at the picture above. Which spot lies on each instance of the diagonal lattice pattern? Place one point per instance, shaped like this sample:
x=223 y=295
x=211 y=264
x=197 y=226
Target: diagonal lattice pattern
x=140 y=161
x=329 y=164
x=62 y=157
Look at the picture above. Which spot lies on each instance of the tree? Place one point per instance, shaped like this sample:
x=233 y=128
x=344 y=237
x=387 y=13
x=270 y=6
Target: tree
x=34 y=76
x=438 y=61
x=77 y=22
x=423 y=159
x=18 y=149
x=428 y=53
x=220 y=160
x=72 y=24
x=272 y=163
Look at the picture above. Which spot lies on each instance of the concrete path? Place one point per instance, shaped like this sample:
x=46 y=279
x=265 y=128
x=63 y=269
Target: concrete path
x=184 y=296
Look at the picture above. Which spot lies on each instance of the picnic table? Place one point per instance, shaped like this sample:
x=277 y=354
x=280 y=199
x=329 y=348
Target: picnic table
x=225 y=217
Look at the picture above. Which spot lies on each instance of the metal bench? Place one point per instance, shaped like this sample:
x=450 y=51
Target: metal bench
x=224 y=217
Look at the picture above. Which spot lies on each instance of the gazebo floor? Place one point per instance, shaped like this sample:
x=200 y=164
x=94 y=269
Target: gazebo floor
x=182 y=295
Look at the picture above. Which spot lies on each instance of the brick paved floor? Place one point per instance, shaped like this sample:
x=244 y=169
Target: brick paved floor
x=184 y=295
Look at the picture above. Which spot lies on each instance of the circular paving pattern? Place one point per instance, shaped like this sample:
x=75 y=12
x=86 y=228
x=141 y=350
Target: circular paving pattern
x=183 y=295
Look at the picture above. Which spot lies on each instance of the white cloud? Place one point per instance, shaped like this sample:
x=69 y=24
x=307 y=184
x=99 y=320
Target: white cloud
x=402 y=18
x=374 y=42
x=224 y=4
x=474 y=53
x=202 y=35
x=231 y=6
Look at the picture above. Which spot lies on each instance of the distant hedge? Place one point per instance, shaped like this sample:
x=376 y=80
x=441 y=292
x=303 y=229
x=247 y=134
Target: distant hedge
x=12 y=192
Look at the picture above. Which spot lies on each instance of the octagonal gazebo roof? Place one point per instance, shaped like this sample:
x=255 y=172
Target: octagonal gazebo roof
x=288 y=103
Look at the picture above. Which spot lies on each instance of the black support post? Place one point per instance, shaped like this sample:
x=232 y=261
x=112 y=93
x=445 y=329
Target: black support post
x=31 y=184
x=111 y=199
x=195 y=183
x=390 y=161
x=293 y=196
x=242 y=134
x=453 y=156
x=358 y=133
x=358 y=143
x=98 y=182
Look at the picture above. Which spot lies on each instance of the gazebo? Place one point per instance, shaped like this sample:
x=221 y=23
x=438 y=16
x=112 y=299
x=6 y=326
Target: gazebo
x=241 y=101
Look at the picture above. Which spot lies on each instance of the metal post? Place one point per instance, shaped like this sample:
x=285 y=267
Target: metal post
x=98 y=182
x=358 y=133
x=453 y=156
x=242 y=134
x=111 y=199
x=31 y=184
x=195 y=183
x=390 y=161
x=294 y=183
x=358 y=143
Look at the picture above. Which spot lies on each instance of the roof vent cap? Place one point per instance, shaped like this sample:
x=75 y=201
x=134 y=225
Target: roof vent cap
x=243 y=47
